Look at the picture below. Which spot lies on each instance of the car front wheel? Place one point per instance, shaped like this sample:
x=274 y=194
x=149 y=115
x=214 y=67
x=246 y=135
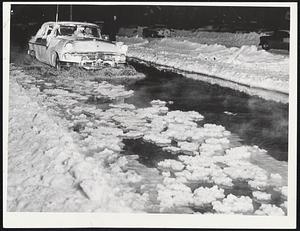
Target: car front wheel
x=56 y=62
x=265 y=46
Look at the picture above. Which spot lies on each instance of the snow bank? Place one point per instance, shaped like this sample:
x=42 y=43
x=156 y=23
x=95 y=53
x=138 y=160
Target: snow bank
x=246 y=65
x=222 y=38
x=199 y=36
x=52 y=169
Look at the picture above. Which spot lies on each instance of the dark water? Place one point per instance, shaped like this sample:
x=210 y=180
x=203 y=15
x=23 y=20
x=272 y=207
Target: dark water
x=257 y=121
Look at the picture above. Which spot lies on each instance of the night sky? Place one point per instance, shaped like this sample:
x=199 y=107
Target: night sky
x=174 y=16
x=27 y=19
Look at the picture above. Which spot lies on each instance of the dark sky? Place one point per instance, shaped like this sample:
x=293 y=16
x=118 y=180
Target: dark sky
x=174 y=16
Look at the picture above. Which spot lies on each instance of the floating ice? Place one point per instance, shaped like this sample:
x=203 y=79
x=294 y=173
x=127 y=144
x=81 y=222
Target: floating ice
x=157 y=139
x=261 y=196
x=284 y=191
x=173 y=195
x=269 y=210
x=232 y=204
x=207 y=149
x=123 y=106
x=203 y=195
x=172 y=149
x=188 y=148
x=133 y=135
x=173 y=165
x=159 y=103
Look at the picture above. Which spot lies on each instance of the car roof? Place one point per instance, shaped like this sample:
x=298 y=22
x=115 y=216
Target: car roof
x=70 y=23
x=287 y=31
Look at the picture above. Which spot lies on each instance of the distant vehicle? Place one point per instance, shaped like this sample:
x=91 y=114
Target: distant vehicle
x=279 y=39
x=156 y=31
x=75 y=43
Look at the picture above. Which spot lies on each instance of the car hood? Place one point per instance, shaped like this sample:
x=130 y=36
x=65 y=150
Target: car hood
x=94 y=45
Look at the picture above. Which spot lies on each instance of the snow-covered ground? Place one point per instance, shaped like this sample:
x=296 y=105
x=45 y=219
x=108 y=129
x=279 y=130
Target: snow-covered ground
x=66 y=154
x=227 y=56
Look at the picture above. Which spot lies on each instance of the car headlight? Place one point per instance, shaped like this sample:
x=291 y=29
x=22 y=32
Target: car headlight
x=69 y=46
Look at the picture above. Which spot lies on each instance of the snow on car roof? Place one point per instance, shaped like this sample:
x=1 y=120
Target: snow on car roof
x=70 y=23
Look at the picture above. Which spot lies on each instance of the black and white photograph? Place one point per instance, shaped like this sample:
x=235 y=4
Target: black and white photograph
x=157 y=111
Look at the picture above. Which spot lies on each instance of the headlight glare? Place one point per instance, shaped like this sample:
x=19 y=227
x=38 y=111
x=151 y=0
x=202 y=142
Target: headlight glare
x=69 y=46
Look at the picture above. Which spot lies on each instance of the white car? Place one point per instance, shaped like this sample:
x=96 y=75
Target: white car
x=75 y=43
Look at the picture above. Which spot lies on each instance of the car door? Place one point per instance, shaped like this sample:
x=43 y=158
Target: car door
x=40 y=44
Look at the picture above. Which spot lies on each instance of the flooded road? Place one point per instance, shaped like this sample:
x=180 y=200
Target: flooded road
x=172 y=141
x=256 y=121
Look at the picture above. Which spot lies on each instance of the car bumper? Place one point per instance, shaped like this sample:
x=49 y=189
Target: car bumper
x=92 y=61
x=90 y=65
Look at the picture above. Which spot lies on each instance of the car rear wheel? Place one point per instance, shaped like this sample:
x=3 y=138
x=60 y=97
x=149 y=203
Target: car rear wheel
x=265 y=46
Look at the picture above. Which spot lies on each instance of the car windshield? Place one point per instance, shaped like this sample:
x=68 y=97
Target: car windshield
x=281 y=34
x=79 y=31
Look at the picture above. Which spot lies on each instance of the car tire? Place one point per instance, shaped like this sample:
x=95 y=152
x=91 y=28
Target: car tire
x=56 y=62
x=28 y=59
x=32 y=53
x=265 y=46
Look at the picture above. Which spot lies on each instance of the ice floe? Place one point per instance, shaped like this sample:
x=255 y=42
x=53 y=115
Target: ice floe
x=269 y=210
x=204 y=196
x=233 y=204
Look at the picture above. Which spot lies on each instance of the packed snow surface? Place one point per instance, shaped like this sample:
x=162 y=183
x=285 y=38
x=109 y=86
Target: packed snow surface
x=66 y=153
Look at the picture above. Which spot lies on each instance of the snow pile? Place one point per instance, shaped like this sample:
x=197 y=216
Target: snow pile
x=133 y=41
x=227 y=39
x=52 y=169
x=223 y=38
x=245 y=65
x=232 y=204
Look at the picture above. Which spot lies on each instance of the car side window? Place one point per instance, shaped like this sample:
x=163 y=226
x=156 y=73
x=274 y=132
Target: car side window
x=49 y=31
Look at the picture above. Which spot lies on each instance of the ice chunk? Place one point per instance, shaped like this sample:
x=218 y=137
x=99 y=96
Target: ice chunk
x=238 y=153
x=261 y=196
x=269 y=210
x=232 y=204
x=123 y=106
x=203 y=195
x=158 y=102
x=173 y=195
x=207 y=149
x=188 y=148
x=157 y=139
x=133 y=135
x=172 y=149
x=171 y=164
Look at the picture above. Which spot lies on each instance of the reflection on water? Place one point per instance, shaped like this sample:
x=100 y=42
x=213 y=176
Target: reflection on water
x=255 y=120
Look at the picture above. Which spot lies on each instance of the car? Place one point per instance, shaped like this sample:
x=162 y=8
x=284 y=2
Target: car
x=279 y=39
x=156 y=31
x=75 y=43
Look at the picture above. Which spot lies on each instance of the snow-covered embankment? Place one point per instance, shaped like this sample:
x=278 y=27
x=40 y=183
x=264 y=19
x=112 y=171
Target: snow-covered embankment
x=246 y=66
